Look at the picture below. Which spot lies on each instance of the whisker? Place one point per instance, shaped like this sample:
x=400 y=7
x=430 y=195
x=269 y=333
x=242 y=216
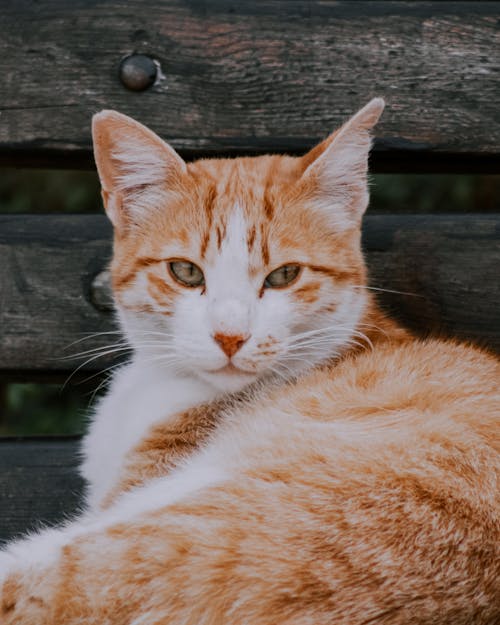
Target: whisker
x=155 y=333
x=115 y=365
x=162 y=358
x=105 y=349
x=374 y=288
x=96 y=350
x=92 y=335
x=323 y=334
x=99 y=386
x=107 y=373
x=326 y=334
x=372 y=326
x=143 y=333
x=275 y=371
x=83 y=364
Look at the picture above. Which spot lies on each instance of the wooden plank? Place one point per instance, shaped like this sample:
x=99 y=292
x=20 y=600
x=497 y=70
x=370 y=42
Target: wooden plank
x=446 y=266
x=250 y=76
x=48 y=265
x=39 y=483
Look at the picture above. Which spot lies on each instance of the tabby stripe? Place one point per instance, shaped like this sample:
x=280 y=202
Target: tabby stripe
x=139 y=264
x=332 y=272
x=209 y=205
x=264 y=245
x=251 y=238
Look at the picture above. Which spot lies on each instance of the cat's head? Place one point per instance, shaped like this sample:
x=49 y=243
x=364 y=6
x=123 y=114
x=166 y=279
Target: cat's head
x=230 y=269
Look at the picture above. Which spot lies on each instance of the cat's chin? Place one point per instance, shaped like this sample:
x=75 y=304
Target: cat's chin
x=229 y=379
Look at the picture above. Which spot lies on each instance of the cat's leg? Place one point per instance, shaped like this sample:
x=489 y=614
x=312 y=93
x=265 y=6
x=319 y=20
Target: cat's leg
x=166 y=445
x=48 y=579
x=140 y=397
x=107 y=569
x=100 y=577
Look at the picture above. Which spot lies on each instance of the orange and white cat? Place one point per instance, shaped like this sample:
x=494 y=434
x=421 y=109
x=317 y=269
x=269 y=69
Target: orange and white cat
x=277 y=452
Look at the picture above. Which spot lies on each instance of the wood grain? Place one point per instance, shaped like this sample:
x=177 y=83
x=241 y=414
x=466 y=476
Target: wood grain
x=39 y=483
x=48 y=265
x=251 y=77
x=446 y=266
x=447 y=271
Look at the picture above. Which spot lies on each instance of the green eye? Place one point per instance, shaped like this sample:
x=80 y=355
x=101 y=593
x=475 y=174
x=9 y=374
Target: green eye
x=186 y=273
x=283 y=276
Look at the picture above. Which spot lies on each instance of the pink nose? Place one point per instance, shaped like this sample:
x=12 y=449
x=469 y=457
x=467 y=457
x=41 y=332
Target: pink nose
x=230 y=343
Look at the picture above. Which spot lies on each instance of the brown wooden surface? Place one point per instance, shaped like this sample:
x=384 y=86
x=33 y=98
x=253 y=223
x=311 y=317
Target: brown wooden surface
x=447 y=265
x=246 y=75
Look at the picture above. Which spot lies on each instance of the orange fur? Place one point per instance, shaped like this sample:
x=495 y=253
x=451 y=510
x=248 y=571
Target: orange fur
x=166 y=445
x=369 y=509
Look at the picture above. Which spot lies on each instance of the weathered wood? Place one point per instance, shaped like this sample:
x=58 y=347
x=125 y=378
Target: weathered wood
x=39 y=483
x=447 y=266
x=48 y=265
x=245 y=76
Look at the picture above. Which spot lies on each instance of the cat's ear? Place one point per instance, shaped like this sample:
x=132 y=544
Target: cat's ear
x=131 y=161
x=335 y=176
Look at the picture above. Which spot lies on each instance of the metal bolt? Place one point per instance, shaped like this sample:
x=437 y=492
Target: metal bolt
x=101 y=294
x=138 y=72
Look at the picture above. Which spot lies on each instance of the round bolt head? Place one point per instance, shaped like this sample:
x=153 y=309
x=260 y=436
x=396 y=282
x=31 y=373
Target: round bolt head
x=138 y=72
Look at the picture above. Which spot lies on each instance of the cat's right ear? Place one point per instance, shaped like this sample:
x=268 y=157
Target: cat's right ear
x=131 y=160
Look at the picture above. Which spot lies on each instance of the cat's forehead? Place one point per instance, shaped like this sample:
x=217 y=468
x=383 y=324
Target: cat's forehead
x=251 y=183
x=244 y=207
x=234 y=203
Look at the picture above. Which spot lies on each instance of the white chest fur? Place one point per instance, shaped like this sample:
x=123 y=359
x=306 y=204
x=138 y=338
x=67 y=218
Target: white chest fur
x=139 y=397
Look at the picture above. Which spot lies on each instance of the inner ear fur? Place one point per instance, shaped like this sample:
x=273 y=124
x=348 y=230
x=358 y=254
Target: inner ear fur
x=335 y=171
x=129 y=159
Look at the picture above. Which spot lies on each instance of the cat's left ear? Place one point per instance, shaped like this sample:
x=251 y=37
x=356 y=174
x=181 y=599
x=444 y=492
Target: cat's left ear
x=335 y=176
x=131 y=161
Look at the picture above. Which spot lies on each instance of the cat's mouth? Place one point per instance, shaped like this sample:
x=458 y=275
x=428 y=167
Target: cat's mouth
x=231 y=369
x=229 y=378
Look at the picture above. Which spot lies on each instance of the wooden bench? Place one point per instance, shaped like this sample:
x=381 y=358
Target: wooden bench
x=230 y=78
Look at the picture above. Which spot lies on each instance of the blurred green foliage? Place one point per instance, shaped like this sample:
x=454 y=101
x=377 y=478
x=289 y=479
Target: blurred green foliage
x=45 y=408
x=49 y=191
x=67 y=191
x=30 y=409
x=434 y=193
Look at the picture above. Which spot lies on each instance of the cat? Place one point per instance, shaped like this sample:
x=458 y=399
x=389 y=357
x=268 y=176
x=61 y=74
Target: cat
x=278 y=451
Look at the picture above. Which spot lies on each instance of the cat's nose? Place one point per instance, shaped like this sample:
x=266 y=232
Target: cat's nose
x=230 y=343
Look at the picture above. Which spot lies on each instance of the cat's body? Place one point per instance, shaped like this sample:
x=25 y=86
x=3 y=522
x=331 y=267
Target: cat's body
x=318 y=465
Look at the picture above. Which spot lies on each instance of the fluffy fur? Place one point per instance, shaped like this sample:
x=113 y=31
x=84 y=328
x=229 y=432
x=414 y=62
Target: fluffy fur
x=270 y=455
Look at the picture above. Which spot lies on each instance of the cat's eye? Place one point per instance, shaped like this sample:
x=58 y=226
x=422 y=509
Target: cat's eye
x=281 y=277
x=186 y=272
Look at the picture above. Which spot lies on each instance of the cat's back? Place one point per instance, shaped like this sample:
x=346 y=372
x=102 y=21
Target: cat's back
x=377 y=479
x=401 y=419
x=433 y=378
x=423 y=408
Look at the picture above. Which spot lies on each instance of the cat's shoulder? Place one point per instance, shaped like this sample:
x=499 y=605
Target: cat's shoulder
x=421 y=374
x=427 y=356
